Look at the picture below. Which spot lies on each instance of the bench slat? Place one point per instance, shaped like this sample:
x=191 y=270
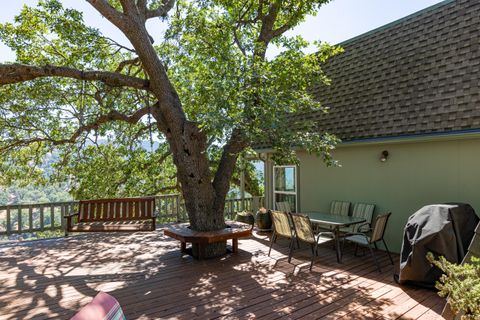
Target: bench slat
x=98 y=211
x=150 y=207
x=93 y=212
x=117 y=211
x=124 y=210
x=136 y=213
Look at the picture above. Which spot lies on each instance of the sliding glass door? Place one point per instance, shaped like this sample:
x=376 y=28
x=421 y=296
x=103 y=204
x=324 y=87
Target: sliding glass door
x=285 y=185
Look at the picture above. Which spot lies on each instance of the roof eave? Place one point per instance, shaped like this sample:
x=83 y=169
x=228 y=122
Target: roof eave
x=423 y=137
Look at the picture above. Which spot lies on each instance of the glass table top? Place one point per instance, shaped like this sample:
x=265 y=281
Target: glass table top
x=333 y=219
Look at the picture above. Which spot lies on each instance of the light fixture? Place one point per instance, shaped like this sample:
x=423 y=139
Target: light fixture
x=384 y=156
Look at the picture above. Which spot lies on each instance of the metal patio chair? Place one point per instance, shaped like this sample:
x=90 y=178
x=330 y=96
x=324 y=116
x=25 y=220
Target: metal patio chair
x=282 y=227
x=283 y=206
x=361 y=210
x=304 y=232
x=370 y=239
x=341 y=208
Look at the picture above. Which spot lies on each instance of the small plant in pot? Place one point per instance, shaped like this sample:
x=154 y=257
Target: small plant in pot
x=264 y=219
x=245 y=217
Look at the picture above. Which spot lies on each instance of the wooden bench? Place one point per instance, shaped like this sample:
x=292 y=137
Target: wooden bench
x=182 y=233
x=127 y=214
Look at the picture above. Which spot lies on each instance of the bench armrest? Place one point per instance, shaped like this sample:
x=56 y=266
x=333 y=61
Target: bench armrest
x=71 y=214
x=155 y=214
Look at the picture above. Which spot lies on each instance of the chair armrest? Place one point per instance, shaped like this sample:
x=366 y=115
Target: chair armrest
x=71 y=214
x=325 y=236
x=356 y=234
x=325 y=233
x=364 y=227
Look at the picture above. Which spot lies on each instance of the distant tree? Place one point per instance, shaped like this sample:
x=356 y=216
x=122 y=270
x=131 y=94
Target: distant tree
x=208 y=85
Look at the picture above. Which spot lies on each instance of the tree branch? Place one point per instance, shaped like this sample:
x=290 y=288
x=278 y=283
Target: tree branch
x=14 y=73
x=110 y=13
x=161 y=11
x=289 y=24
x=114 y=43
x=266 y=31
x=128 y=6
x=238 y=42
x=130 y=62
x=142 y=7
x=230 y=153
x=102 y=119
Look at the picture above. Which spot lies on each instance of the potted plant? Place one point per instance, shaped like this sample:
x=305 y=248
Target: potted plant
x=461 y=284
x=264 y=219
x=245 y=217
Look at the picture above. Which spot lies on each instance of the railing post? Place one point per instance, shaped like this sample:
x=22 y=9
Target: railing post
x=256 y=203
x=63 y=212
x=52 y=217
x=30 y=218
x=19 y=213
x=177 y=207
x=41 y=218
x=9 y=222
x=242 y=183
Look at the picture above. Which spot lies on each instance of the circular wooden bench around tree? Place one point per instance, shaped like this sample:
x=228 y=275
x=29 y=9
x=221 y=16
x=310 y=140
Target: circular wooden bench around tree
x=184 y=234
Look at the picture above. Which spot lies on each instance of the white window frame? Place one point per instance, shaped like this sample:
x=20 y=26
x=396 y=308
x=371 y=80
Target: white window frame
x=292 y=193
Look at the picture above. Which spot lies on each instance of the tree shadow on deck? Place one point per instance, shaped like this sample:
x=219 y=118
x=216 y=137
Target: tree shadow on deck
x=150 y=278
x=54 y=278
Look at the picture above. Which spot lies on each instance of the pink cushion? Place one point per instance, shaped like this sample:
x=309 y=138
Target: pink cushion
x=102 y=307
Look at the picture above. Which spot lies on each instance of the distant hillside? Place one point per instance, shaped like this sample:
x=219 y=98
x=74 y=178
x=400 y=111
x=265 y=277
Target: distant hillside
x=33 y=194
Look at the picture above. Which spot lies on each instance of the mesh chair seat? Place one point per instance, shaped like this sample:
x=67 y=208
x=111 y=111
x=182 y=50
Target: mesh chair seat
x=324 y=237
x=358 y=238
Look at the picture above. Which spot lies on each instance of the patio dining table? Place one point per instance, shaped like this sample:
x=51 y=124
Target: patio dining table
x=336 y=222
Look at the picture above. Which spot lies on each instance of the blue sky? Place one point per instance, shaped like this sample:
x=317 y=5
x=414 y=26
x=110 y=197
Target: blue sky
x=335 y=22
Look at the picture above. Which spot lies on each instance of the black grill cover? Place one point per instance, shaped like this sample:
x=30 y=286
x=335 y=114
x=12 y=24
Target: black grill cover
x=443 y=229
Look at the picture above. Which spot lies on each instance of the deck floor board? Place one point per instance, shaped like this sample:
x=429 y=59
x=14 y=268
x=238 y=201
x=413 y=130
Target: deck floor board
x=145 y=271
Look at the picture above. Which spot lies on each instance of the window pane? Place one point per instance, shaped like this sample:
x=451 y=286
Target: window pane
x=285 y=179
x=290 y=198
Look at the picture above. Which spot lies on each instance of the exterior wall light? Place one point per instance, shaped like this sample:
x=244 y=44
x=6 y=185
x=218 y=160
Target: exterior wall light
x=384 y=156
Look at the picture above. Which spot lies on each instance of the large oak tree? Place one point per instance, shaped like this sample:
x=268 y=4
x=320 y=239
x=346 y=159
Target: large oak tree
x=208 y=90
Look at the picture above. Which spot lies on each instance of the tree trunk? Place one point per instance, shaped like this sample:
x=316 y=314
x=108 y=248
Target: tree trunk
x=193 y=173
x=188 y=145
x=187 y=142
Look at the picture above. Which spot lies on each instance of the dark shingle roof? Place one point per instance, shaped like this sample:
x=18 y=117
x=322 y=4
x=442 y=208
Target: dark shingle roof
x=418 y=75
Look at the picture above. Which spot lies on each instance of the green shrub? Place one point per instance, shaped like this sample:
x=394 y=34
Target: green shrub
x=461 y=283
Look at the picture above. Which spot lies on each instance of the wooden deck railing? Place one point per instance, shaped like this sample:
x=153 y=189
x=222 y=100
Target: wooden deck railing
x=28 y=218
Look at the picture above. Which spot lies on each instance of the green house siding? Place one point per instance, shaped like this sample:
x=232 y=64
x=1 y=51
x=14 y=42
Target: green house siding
x=415 y=174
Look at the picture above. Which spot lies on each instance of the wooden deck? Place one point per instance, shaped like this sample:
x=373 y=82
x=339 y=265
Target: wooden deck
x=151 y=280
